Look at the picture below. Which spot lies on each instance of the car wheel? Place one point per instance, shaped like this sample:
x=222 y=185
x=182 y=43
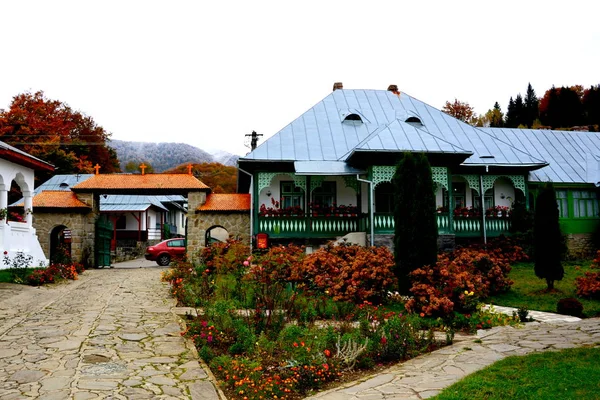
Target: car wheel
x=163 y=260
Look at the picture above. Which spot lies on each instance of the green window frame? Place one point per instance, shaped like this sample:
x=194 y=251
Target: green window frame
x=562 y=200
x=291 y=195
x=325 y=195
x=384 y=197
x=585 y=204
x=488 y=199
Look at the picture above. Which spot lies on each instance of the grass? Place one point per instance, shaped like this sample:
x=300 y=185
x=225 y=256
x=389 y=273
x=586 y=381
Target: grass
x=6 y=276
x=530 y=291
x=568 y=374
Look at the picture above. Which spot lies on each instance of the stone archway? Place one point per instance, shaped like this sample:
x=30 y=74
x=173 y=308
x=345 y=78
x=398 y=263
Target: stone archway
x=237 y=225
x=60 y=244
x=216 y=233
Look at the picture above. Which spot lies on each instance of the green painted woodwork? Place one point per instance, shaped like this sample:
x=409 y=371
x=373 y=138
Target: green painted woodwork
x=104 y=232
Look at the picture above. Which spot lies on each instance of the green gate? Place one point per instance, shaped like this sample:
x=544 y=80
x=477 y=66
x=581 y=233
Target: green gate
x=104 y=231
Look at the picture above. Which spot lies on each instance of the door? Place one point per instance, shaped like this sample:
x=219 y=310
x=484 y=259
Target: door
x=104 y=231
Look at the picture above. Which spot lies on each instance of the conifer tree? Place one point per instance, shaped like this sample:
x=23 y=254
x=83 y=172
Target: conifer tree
x=547 y=238
x=531 y=106
x=511 y=115
x=415 y=240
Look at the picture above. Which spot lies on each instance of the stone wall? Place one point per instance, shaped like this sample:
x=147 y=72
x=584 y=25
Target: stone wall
x=445 y=242
x=195 y=238
x=237 y=225
x=580 y=245
x=82 y=233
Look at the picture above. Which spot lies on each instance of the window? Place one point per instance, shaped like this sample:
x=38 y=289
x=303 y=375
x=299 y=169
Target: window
x=384 y=197
x=353 y=117
x=121 y=222
x=324 y=195
x=175 y=243
x=585 y=204
x=291 y=195
x=458 y=194
x=488 y=199
x=563 y=202
x=414 y=121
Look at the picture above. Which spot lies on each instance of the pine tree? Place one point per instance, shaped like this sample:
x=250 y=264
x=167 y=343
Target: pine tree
x=547 y=238
x=531 y=106
x=496 y=117
x=520 y=111
x=415 y=240
x=591 y=105
x=511 y=116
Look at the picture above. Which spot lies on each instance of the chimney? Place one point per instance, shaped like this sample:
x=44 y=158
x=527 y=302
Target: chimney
x=338 y=85
x=393 y=89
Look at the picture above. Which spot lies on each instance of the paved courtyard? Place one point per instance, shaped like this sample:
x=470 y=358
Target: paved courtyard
x=109 y=335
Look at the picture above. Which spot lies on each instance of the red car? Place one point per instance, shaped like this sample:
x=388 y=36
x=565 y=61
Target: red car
x=165 y=251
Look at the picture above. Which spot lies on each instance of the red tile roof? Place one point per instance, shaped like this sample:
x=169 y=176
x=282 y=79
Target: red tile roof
x=137 y=181
x=226 y=202
x=57 y=199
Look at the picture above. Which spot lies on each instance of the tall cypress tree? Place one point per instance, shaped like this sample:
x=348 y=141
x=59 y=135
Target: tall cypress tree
x=415 y=240
x=547 y=239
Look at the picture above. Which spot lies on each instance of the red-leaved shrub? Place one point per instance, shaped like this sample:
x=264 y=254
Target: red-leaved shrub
x=226 y=257
x=348 y=272
x=459 y=281
x=589 y=285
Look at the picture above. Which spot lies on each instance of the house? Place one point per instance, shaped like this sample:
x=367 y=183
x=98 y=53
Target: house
x=19 y=236
x=328 y=173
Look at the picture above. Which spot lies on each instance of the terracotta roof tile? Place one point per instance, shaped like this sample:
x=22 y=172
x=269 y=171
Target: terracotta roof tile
x=226 y=202
x=57 y=199
x=137 y=181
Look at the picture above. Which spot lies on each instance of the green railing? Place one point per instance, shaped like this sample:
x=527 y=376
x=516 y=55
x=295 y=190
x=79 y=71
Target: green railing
x=322 y=226
x=305 y=226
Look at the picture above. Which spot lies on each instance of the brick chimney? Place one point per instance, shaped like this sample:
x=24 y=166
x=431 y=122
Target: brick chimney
x=338 y=85
x=393 y=89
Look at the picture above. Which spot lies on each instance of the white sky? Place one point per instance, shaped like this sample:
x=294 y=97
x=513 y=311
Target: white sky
x=208 y=72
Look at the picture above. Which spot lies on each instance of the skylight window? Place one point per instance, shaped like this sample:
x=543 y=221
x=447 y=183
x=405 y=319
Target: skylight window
x=414 y=121
x=353 y=117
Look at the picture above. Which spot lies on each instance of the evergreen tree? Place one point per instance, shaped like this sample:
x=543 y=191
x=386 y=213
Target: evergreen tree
x=571 y=109
x=591 y=105
x=496 y=117
x=415 y=241
x=531 y=106
x=550 y=108
x=511 y=116
x=547 y=238
x=520 y=111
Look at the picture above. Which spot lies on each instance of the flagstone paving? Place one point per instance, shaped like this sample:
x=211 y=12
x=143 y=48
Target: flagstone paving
x=110 y=335
x=427 y=375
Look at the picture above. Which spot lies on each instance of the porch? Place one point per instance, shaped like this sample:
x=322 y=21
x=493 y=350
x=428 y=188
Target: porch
x=335 y=226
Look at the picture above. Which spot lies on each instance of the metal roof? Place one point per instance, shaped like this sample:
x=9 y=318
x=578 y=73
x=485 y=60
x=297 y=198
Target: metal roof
x=323 y=134
x=62 y=182
x=319 y=167
x=573 y=157
x=117 y=202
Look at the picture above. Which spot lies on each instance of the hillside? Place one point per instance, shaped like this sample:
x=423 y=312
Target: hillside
x=165 y=156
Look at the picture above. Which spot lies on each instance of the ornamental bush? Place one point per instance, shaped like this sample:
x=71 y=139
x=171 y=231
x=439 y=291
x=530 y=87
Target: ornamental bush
x=459 y=281
x=570 y=306
x=348 y=272
x=589 y=285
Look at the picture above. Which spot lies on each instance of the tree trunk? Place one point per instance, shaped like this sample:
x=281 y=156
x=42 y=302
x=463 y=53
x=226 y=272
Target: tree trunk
x=550 y=283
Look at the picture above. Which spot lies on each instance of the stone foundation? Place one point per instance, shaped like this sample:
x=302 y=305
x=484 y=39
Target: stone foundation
x=580 y=245
x=445 y=242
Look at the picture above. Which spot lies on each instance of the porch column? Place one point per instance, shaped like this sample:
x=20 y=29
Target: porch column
x=3 y=201
x=28 y=208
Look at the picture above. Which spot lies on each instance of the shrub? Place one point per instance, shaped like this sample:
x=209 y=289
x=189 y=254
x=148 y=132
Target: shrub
x=18 y=266
x=39 y=277
x=459 y=281
x=570 y=306
x=348 y=272
x=589 y=285
x=227 y=257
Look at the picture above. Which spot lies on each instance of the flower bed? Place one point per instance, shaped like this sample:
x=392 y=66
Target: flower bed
x=283 y=324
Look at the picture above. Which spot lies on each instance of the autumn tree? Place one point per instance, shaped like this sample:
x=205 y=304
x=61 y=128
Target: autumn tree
x=52 y=131
x=562 y=107
x=415 y=227
x=547 y=238
x=220 y=178
x=460 y=110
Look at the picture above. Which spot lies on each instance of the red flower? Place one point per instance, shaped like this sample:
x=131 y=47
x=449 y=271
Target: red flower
x=383 y=340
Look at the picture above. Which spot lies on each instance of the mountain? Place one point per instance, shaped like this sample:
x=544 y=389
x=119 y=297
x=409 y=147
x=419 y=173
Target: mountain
x=164 y=156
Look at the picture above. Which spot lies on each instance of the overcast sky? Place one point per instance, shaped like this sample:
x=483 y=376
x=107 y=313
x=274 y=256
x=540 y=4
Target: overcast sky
x=207 y=73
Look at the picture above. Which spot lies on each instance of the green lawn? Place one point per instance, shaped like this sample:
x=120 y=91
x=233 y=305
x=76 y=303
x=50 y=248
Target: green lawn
x=568 y=374
x=528 y=290
x=5 y=276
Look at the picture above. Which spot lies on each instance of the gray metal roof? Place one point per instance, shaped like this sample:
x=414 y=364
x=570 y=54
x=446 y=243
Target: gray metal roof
x=323 y=134
x=14 y=149
x=573 y=157
x=123 y=202
x=329 y=167
x=62 y=182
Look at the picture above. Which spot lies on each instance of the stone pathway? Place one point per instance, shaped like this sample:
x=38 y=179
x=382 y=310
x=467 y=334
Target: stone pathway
x=110 y=335
x=427 y=375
